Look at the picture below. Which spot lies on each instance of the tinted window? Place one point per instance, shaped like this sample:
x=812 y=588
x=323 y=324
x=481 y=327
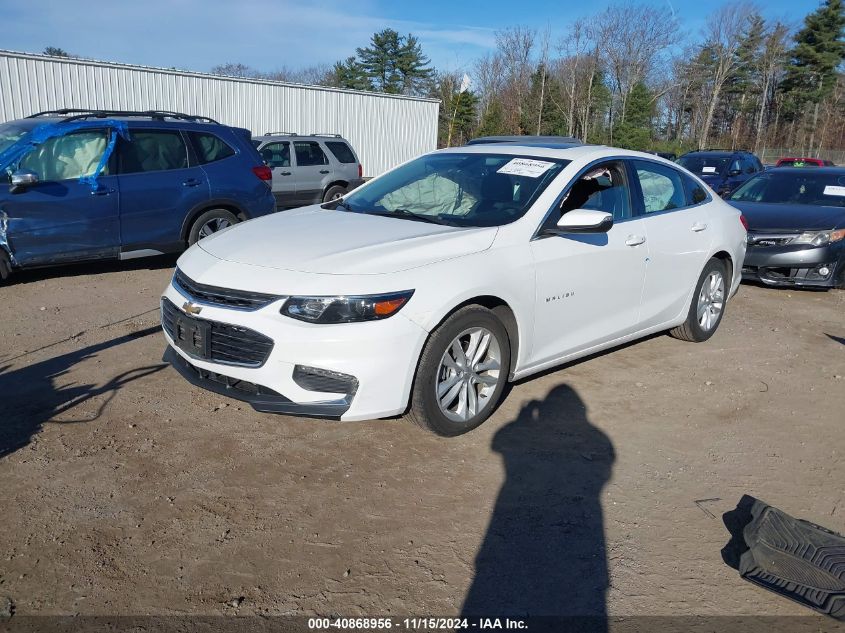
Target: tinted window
x=662 y=187
x=696 y=193
x=457 y=189
x=153 y=151
x=66 y=157
x=602 y=188
x=341 y=151
x=210 y=147
x=276 y=154
x=800 y=187
x=704 y=163
x=309 y=153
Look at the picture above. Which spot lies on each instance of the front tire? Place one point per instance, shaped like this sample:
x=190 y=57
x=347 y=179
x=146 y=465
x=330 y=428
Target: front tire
x=209 y=223
x=334 y=192
x=5 y=266
x=462 y=373
x=708 y=304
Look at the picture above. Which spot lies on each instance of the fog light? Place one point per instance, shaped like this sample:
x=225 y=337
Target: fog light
x=824 y=271
x=324 y=380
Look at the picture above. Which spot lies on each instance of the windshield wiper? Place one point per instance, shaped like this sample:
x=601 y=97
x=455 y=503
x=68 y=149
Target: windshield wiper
x=421 y=217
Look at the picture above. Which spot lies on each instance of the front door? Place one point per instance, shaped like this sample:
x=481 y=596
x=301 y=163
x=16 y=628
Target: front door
x=588 y=286
x=59 y=218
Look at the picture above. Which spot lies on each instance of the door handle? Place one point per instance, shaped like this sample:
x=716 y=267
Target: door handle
x=102 y=192
x=284 y=173
x=324 y=171
x=191 y=182
x=634 y=240
x=698 y=227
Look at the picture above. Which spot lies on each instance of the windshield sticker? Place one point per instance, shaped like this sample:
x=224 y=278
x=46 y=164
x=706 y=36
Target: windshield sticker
x=834 y=190
x=525 y=167
x=708 y=170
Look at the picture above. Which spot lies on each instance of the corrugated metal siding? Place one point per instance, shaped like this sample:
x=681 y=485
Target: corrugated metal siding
x=385 y=130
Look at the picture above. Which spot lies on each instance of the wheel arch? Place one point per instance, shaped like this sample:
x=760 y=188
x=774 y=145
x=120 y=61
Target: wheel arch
x=726 y=258
x=208 y=205
x=342 y=183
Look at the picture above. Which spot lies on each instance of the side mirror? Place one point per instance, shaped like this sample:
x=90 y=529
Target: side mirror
x=22 y=180
x=583 y=221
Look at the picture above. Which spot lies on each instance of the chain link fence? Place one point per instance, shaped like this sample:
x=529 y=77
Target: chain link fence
x=770 y=156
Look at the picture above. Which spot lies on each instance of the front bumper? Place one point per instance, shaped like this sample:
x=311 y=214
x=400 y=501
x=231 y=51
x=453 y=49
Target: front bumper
x=794 y=265
x=381 y=357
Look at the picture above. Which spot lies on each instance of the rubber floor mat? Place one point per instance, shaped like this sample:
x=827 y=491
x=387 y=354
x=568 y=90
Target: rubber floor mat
x=792 y=557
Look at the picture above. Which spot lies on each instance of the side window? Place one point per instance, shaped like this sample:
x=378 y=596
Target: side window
x=602 y=188
x=209 y=147
x=341 y=151
x=662 y=187
x=66 y=157
x=153 y=150
x=735 y=166
x=276 y=154
x=308 y=153
x=748 y=166
x=696 y=193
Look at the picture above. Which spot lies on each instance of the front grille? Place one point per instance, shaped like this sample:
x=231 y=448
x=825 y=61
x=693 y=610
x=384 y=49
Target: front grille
x=229 y=344
x=225 y=297
x=770 y=239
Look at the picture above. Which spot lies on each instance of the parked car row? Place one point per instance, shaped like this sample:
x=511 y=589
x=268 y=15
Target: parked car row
x=475 y=266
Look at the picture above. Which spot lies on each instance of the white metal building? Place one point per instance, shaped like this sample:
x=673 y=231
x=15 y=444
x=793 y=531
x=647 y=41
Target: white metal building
x=385 y=130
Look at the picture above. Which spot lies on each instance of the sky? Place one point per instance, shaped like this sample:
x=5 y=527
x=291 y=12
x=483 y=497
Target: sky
x=274 y=34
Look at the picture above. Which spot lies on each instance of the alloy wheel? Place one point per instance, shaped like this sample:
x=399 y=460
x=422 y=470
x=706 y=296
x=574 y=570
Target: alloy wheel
x=711 y=300
x=468 y=374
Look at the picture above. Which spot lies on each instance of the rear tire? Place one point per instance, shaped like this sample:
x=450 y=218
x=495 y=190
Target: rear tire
x=5 y=266
x=209 y=223
x=707 y=306
x=334 y=192
x=462 y=373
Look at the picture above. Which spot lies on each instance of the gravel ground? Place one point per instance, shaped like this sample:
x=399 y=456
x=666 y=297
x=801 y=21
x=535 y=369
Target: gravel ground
x=597 y=488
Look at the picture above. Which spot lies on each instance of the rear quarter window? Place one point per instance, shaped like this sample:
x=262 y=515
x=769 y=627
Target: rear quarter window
x=341 y=151
x=209 y=147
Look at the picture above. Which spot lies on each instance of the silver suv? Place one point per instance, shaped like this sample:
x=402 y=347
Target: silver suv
x=309 y=169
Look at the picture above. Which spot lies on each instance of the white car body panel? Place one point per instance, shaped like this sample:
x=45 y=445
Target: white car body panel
x=570 y=295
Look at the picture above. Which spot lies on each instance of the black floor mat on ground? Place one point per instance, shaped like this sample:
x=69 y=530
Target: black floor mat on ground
x=791 y=557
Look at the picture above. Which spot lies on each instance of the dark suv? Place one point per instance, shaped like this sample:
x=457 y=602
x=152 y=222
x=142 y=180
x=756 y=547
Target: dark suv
x=723 y=169
x=87 y=185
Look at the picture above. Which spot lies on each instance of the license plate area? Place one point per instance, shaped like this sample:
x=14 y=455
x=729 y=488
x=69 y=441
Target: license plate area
x=192 y=336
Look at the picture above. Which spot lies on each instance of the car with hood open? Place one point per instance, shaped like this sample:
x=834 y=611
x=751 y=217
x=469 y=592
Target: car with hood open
x=429 y=288
x=796 y=226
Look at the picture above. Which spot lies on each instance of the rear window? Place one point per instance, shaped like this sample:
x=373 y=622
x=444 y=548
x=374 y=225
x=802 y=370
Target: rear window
x=341 y=151
x=210 y=147
x=812 y=187
x=705 y=164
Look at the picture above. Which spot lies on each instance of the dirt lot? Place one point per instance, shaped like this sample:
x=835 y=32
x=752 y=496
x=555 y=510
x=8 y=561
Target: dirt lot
x=126 y=490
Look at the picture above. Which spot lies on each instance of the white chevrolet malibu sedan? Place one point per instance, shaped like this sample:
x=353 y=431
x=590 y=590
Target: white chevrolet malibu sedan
x=426 y=290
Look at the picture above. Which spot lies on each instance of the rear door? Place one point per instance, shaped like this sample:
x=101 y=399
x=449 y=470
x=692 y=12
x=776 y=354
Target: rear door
x=59 y=218
x=160 y=183
x=277 y=157
x=674 y=213
x=313 y=171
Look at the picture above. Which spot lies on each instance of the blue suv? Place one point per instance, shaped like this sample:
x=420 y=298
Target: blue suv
x=723 y=169
x=97 y=184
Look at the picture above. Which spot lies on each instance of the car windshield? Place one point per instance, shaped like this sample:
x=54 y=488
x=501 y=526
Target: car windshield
x=12 y=132
x=458 y=189
x=804 y=187
x=705 y=164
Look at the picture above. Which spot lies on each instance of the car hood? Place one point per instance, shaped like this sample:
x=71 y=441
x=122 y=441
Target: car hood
x=794 y=217
x=315 y=240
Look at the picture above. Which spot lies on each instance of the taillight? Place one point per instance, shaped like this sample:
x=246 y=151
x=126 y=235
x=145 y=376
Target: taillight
x=360 y=170
x=263 y=173
x=744 y=221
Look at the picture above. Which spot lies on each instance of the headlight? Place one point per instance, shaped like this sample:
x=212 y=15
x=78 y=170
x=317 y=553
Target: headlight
x=819 y=238
x=345 y=309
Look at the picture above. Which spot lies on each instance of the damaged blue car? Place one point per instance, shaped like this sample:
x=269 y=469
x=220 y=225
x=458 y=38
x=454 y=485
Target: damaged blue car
x=97 y=184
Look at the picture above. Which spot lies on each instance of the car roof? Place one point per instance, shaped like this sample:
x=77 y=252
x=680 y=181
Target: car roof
x=548 y=141
x=826 y=169
x=717 y=152
x=573 y=152
x=273 y=136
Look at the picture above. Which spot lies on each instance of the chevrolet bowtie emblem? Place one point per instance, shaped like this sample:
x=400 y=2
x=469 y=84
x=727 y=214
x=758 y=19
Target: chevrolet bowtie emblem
x=191 y=308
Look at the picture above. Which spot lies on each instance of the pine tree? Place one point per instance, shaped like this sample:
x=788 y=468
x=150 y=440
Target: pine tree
x=635 y=131
x=416 y=75
x=493 y=120
x=380 y=61
x=350 y=74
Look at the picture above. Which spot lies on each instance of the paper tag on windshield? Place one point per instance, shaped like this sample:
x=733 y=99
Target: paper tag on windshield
x=708 y=170
x=834 y=190
x=525 y=167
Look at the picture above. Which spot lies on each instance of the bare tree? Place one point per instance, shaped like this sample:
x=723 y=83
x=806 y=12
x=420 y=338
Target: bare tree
x=770 y=67
x=515 y=46
x=723 y=35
